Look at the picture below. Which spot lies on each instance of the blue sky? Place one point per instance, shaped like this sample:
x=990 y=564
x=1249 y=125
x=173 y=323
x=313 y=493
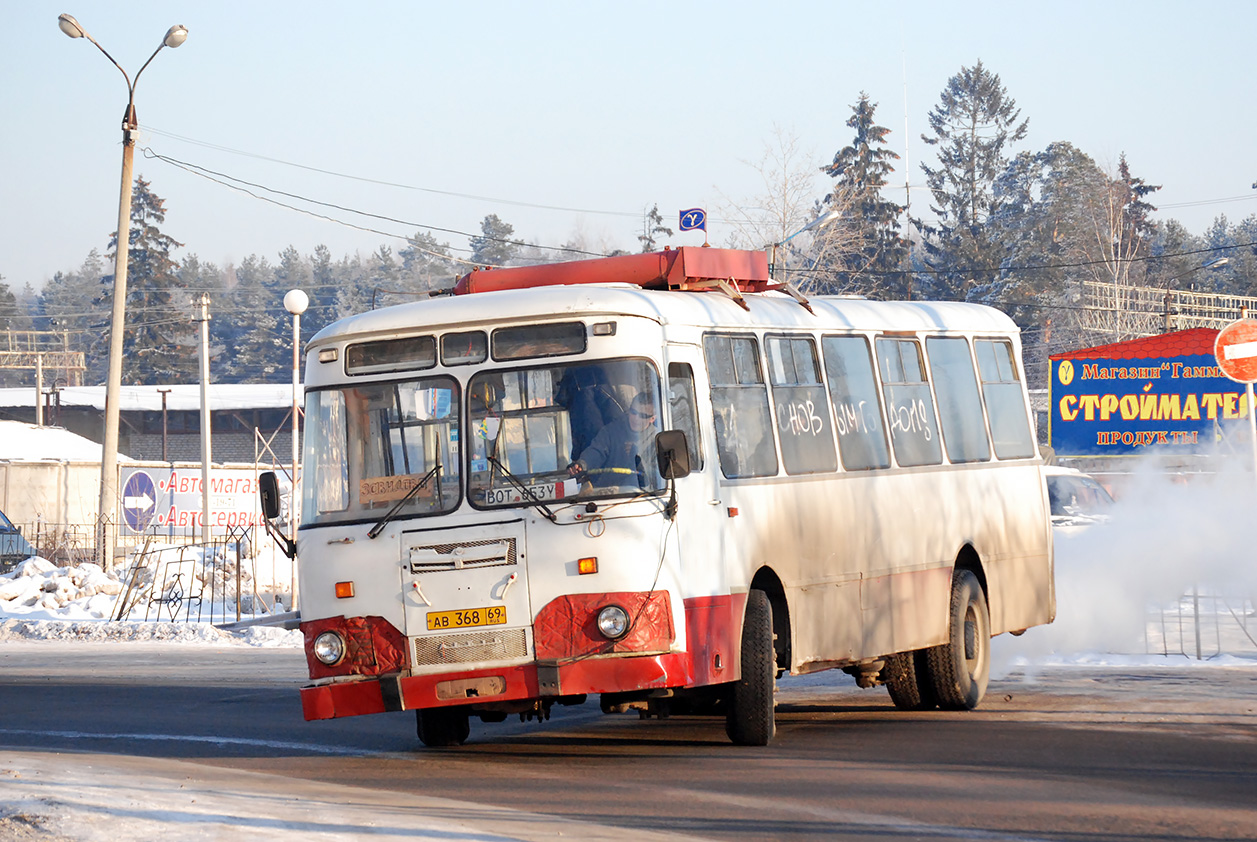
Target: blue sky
x=601 y=109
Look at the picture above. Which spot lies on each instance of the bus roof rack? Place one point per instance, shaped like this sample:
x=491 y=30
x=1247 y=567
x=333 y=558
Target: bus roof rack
x=692 y=268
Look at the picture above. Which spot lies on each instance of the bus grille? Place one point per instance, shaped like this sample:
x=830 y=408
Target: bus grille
x=467 y=555
x=464 y=648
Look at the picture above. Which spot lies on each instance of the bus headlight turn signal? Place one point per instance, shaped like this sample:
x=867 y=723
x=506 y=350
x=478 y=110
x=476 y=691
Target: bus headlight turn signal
x=613 y=622
x=329 y=647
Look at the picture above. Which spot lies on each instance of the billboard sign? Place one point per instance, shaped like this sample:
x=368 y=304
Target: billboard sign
x=1166 y=393
x=168 y=499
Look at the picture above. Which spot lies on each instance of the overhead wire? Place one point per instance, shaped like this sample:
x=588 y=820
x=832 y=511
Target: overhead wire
x=223 y=179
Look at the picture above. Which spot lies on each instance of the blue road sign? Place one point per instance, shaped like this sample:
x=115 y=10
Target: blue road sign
x=139 y=501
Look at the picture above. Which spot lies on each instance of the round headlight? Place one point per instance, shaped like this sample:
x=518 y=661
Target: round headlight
x=613 y=622
x=329 y=647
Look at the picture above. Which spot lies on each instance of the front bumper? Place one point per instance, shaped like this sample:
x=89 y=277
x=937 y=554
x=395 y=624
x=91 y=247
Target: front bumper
x=606 y=674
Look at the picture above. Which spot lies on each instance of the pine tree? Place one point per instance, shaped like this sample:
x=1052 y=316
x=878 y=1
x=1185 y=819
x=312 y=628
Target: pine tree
x=323 y=302
x=249 y=324
x=495 y=246
x=72 y=302
x=9 y=313
x=872 y=266
x=973 y=125
x=426 y=264
x=159 y=345
x=652 y=227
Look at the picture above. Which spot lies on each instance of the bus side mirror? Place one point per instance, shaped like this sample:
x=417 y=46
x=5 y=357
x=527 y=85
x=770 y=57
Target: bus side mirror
x=673 y=454
x=268 y=493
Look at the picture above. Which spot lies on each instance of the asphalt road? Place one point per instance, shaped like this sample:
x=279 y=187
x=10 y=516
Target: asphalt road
x=1079 y=754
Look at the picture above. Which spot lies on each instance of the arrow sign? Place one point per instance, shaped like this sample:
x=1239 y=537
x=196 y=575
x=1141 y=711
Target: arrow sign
x=1236 y=350
x=139 y=501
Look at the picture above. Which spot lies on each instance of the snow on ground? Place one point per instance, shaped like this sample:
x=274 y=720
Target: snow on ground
x=41 y=601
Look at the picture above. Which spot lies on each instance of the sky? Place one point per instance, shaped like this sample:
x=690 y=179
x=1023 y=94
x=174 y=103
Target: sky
x=569 y=119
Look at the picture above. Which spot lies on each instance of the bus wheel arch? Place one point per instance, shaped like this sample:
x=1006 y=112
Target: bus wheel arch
x=766 y=580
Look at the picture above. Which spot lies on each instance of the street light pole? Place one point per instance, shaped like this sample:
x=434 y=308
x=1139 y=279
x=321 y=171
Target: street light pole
x=106 y=532
x=295 y=302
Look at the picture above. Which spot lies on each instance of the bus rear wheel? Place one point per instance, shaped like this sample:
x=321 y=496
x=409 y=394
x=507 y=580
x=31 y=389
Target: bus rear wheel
x=751 y=718
x=440 y=727
x=961 y=666
x=908 y=681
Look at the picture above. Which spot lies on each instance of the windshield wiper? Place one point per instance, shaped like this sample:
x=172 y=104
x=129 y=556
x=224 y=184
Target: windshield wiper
x=532 y=499
x=379 y=527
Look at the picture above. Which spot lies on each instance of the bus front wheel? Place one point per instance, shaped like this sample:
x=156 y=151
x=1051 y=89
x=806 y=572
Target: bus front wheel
x=961 y=666
x=439 y=727
x=751 y=719
x=908 y=681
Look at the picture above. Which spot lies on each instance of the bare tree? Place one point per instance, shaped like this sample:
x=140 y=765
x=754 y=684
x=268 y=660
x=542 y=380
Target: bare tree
x=790 y=178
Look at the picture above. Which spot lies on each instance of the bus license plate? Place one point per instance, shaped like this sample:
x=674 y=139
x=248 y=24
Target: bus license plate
x=492 y=616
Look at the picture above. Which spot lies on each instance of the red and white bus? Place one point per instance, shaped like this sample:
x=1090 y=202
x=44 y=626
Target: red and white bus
x=660 y=479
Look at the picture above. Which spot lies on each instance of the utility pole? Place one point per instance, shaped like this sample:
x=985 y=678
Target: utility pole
x=205 y=421
x=163 y=393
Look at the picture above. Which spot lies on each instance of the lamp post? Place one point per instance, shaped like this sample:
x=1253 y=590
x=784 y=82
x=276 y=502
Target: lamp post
x=106 y=532
x=1216 y=263
x=295 y=302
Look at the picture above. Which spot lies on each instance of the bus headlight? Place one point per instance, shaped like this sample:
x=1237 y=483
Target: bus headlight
x=613 y=622
x=329 y=648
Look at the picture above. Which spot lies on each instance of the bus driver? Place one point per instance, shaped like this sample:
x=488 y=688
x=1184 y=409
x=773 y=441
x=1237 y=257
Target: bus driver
x=623 y=452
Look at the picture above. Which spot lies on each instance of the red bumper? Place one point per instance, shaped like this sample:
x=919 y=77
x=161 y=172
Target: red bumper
x=592 y=675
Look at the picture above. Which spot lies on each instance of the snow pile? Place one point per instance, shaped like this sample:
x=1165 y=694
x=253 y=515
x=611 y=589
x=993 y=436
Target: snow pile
x=84 y=591
x=41 y=601
x=27 y=442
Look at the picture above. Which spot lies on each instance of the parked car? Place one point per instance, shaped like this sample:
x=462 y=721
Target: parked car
x=13 y=547
x=1076 y=499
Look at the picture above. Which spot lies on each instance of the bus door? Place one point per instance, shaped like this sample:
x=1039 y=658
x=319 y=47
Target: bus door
x=713 y=614
x=465 y=590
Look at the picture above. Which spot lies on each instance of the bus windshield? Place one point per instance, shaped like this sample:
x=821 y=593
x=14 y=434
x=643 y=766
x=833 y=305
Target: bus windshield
x=367 y=447
x=563 y=431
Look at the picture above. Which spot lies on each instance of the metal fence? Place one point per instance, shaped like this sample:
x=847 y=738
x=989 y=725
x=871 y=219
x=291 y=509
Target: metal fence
x=172 y=575
x=1205 y=623
x=197 y=582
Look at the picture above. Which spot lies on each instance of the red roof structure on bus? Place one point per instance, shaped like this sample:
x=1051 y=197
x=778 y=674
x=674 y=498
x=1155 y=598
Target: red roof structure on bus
x=1196 y=341
x=688 y=267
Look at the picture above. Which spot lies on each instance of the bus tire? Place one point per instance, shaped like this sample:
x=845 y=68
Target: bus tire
x=441 y=727
x=751 y=719
x=908 y=681
x=961 y=666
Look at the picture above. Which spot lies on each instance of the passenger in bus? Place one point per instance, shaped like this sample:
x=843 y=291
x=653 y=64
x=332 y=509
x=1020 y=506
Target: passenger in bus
x=623 y=452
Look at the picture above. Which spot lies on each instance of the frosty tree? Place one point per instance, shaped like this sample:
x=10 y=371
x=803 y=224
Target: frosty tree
x=972 y=127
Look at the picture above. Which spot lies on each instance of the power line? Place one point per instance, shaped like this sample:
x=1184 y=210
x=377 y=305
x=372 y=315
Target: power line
x=365 y=180
x=218 y=178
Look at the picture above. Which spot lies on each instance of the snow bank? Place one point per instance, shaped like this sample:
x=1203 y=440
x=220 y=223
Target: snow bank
x=39 y=587
x=41 y=601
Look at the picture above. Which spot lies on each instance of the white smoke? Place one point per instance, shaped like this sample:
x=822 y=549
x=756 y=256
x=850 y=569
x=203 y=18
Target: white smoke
x=1168 y=534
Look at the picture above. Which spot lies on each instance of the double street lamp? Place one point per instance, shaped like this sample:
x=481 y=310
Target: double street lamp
x=106 y=532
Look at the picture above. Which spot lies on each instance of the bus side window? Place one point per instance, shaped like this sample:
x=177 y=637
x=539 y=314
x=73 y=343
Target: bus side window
x=807 y=443
x=857 y=409
x=1005 y=403
x=909 y=405
x=959 y=404
x=681 y=397
x=739 y=398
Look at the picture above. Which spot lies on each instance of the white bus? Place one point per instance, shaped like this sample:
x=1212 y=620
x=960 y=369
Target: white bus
x=656 y=479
